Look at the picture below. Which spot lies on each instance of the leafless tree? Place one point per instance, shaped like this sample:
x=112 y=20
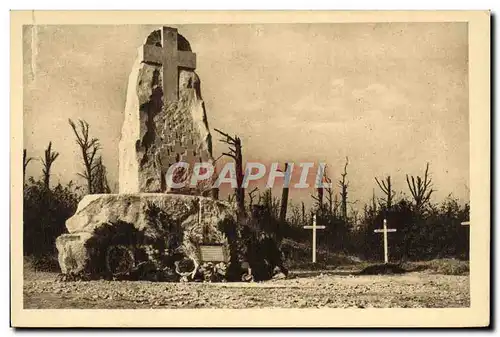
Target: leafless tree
x=318 y=198
x=336 y=205
x=330 y=198
x=386 y=187
x=303 y=213
x=235 y=152
x=251 y=197
x=284 y=200
x=421 y=189
x=26 y=161
x=89 y=147
x=374 y=202
x=320 y=193
x=47 y=162
x=99 y=179
x=344 y=184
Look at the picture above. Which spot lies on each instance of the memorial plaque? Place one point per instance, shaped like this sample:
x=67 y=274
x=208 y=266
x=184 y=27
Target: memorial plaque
x=213 y=254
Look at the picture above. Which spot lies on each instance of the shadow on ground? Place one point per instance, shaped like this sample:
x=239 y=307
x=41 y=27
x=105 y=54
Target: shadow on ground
x=315 y=273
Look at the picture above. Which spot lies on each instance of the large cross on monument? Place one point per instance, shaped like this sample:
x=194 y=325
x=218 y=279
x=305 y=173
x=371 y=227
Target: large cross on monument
x=314 y=228
x=385 y=230
x=171 y=59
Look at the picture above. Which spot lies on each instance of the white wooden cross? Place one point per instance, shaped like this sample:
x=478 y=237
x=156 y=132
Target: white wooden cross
x=171 y=59
x=385 y=230
x=314 y=228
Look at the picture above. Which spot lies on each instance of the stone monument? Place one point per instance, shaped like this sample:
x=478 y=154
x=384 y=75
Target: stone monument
x=165 y=121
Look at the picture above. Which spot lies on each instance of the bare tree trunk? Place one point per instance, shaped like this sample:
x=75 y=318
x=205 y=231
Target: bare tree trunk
x=386 y=187
x=47 y=162
x=240 y=191
x=89 y=147
x=421 y=189
x=303 y=213
x=284 y=200
x=374 y=203
x=237 y=155
x=329 y=196
x=344 y=184
x=26 y=161
x=344 y=202
x=251 y=197
x=320 y=199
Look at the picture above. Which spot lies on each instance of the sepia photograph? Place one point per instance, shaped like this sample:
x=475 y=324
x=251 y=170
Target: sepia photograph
x=252 y=164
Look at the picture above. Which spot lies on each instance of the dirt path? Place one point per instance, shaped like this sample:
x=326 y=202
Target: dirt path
x=305 y=289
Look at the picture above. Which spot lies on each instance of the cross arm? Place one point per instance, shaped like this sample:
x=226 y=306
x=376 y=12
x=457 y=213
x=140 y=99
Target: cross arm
x=186 y=59
x=151 y=54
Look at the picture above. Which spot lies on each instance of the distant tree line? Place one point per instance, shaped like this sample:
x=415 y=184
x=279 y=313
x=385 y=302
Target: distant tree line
x=46 y=207
x=425 y=230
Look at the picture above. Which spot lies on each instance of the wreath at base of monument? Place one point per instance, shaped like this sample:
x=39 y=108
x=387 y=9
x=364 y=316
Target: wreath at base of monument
x=186 y=269
x=213 y=272
x=120 y=260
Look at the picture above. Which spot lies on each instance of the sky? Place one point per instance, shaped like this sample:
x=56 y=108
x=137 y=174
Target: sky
x=390 y=96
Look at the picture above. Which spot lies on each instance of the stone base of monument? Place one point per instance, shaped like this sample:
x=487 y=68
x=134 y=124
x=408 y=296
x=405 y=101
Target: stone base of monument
x=120 y=235
x=159 y=237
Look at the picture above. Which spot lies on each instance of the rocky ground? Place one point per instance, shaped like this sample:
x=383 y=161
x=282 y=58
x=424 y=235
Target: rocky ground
x=304 y=289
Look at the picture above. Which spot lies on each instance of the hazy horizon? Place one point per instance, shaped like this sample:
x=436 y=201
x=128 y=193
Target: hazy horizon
x=390 y=96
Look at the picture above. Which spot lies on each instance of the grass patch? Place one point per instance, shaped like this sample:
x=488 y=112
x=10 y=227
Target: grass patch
x=297 y=255
x=440 y=266
x=44 y=263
